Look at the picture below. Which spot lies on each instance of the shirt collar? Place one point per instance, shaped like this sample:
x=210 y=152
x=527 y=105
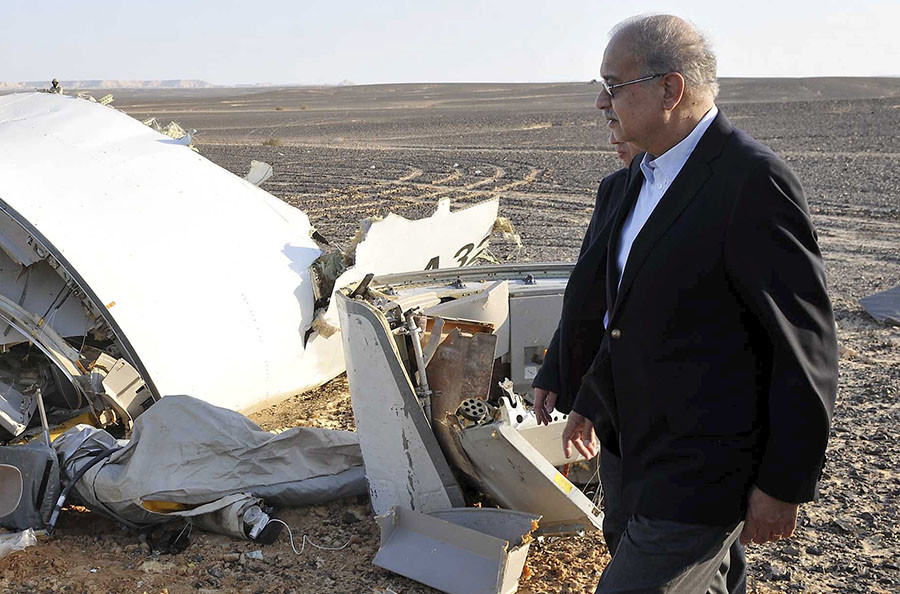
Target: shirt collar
x=668 y=164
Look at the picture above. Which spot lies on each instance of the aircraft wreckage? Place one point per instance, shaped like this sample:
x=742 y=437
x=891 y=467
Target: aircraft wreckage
x=140 y=269
x=154 y=293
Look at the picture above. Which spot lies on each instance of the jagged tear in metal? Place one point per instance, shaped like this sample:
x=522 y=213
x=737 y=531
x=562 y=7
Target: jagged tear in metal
x=259 y=172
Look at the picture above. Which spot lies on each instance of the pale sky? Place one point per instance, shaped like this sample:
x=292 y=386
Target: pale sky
x=379 y=41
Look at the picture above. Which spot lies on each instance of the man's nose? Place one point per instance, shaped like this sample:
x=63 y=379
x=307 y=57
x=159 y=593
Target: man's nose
x=603 y=100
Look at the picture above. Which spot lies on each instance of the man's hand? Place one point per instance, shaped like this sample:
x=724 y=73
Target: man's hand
x=579 y=432
x=544 y=401
x=768 y=519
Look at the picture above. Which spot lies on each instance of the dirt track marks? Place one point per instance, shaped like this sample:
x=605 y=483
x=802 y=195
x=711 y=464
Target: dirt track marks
x=407 y=190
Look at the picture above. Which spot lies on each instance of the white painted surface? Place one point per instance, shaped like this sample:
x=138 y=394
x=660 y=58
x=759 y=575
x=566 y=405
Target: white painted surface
x=514 y=473
x=209 y=274
x=445 y=239
x=401 y=454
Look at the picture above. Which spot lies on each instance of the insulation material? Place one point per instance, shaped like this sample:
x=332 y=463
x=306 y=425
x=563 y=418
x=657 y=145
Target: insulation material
x=16 y=541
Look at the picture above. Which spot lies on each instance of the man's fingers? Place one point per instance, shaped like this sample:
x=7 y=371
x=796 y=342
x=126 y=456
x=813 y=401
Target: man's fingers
x=768 y=519
x=584 y=448
x=590 y=440
x=550 y=403
x=539 y=395
x=544 y=402
x=573 y=435
x=787 y=530
x=763 y=532
x=567 y=435
x=748 y=533
x=579 y=433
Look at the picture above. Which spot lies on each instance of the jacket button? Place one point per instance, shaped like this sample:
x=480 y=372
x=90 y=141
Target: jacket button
x=616 y=333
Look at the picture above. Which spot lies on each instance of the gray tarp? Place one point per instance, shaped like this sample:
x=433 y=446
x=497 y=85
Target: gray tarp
x=187 y=451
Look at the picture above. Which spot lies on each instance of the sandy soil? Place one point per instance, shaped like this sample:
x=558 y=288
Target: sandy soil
x=542 y=149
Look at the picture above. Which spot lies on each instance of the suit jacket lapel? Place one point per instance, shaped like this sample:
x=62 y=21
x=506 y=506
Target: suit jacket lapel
x=592 y=266
x=684 y=188
x=636 y=180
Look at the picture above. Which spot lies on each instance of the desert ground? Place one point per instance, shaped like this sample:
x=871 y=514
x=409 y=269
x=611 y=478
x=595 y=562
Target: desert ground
x=345 y=153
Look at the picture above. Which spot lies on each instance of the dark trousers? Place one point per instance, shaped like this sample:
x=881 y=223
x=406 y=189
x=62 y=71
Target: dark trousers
x=733 y=565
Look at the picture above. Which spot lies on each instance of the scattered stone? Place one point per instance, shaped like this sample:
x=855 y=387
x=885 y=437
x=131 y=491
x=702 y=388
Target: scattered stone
x=215 y=572
x=776 y=571
x=846 y=352
x=154 y=566
x=350 y=517
x=844 y=524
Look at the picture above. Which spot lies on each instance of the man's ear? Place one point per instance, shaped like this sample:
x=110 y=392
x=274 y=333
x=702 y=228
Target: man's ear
x=673 y=90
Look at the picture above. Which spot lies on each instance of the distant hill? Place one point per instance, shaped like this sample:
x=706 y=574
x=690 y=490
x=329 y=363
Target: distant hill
x=110 y=84
x=806 y=89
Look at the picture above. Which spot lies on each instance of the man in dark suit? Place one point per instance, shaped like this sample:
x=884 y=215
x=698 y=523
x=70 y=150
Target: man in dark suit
x=710 y=336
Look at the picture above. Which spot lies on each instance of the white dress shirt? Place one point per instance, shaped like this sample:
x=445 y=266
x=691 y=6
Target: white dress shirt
x=659 y=172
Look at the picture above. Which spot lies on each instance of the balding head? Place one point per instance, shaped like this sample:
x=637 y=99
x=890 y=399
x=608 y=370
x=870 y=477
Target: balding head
x=665 y=43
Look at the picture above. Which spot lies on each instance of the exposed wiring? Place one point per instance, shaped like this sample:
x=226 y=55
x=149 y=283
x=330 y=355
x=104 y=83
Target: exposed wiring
x=308 y=540
x=96 y=459
x=189 y=526
x=21 y=300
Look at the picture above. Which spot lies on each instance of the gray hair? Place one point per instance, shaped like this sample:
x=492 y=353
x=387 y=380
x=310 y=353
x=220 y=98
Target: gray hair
x=666 y=43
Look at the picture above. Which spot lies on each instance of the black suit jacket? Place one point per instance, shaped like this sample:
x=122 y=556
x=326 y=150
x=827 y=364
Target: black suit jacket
x=719 y=368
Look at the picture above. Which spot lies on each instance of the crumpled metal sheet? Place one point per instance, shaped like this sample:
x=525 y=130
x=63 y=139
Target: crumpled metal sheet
x=404 y=464
x=259 y=172
x=459 y=550
x=884 y=306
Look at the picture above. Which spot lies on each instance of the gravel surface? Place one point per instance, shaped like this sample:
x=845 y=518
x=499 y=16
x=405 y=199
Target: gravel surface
x=342 y=154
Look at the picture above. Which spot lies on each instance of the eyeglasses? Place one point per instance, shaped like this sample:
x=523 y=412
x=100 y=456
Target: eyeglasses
x=609 y=88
